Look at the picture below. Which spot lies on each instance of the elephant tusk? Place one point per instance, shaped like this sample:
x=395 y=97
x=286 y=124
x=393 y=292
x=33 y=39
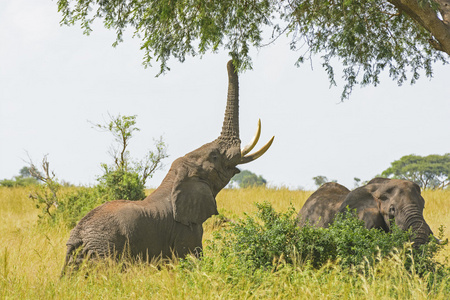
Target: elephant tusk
x=441 y=242
x=253 y=142
x=253 y=156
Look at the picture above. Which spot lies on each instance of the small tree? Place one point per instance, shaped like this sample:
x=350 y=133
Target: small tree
x=357 y=182
x=126 y=179
x=30 y=171
x=46 y=196
x=320 y=180
x=432 y=171
x=248 y=179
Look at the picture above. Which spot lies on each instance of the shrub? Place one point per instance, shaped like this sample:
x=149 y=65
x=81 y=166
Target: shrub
x=76 y=204
x=273 y=239
x=18 y=181
x=355 y=243
x=121 y=184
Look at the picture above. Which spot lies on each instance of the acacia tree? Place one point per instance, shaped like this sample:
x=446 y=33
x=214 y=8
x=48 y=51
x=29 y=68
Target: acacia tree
x=366 y=37
x=432 y=171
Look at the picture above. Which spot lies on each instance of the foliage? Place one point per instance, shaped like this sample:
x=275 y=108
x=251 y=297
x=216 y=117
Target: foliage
x=46 y=196
x=357 y=182
x=67 y=207
x=27 y=177
x=126 y=179
x=320 y=180
x=31 y=171
x=273 y=239
x=18 y=181
x=429 y=172
x=246 y=179
x=57 y=207
x=76 y=204
x=120 y=184
x=365 y=37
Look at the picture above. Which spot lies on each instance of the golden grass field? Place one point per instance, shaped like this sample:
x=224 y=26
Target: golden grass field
x=31 y=257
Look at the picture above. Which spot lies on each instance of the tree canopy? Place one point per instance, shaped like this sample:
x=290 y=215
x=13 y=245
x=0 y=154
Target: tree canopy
x=365 y=37
x=319 y=180
x=432 y=171
x=248 y=179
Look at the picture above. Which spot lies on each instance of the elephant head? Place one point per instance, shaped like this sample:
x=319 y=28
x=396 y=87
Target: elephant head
x=384 y=201
x=378 y=203
x=169 y=221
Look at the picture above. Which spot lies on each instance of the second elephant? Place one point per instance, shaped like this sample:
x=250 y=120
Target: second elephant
x=377 y=203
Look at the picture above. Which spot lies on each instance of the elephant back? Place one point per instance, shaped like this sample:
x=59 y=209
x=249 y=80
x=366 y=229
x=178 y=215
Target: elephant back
x=321 y=207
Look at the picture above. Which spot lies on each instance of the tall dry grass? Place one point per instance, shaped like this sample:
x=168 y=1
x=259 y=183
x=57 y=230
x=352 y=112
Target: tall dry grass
x=31 y=257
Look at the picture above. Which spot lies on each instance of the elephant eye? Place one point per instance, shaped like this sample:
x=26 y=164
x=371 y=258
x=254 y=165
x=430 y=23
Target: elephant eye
x=214 y=156
x=383 y=197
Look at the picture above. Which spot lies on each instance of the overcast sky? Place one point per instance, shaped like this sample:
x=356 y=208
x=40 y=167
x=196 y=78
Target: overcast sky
x=54 y=80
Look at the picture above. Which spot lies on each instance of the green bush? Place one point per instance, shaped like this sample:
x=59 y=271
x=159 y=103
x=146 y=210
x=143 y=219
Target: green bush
x=273 y=239
x=69 y=207
x=120 y=184
x=19 y=181
x=355 y=243
x=77 y=204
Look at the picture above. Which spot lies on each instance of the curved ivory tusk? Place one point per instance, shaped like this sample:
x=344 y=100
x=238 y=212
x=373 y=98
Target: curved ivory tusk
x=253 y=142
x=441 y=242
x=257 y=154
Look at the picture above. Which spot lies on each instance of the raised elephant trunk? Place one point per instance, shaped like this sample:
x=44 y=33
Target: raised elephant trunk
x=230 y=129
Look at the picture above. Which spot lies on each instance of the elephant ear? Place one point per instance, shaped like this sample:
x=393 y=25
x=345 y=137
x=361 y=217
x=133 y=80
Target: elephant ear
x=367 y=207
x=192 y=199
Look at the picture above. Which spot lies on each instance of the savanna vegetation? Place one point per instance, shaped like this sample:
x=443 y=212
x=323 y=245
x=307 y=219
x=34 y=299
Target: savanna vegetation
x=429 y=172
x=32 y=253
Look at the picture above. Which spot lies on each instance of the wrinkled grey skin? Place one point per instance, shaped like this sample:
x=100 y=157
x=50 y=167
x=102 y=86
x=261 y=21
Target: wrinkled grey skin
x=376 y=203
x=169 y=221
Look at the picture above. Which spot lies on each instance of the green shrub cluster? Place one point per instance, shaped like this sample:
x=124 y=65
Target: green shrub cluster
x=69 y=207
x=121 y=184
x=19 y=181
x=75 y=205
x=64 y=207
x=271 y=240
x=113 y=185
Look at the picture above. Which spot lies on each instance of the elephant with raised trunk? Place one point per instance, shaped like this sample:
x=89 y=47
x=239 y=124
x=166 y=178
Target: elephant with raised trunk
x=169 y=221
x=378 y=203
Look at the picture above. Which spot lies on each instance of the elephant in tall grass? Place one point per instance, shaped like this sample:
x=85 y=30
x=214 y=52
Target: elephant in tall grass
x=169 y=221
x=378 y=203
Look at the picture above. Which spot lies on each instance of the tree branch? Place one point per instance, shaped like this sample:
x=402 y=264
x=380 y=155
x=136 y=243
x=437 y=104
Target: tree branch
x=444 y=9
x=428 y=18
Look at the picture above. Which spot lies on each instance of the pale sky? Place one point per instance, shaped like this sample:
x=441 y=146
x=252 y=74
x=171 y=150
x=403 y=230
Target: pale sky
x=53 y=80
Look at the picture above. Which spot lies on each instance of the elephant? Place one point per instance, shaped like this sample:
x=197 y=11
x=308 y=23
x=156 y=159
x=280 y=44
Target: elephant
x=377 y=203
x=168 y=223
